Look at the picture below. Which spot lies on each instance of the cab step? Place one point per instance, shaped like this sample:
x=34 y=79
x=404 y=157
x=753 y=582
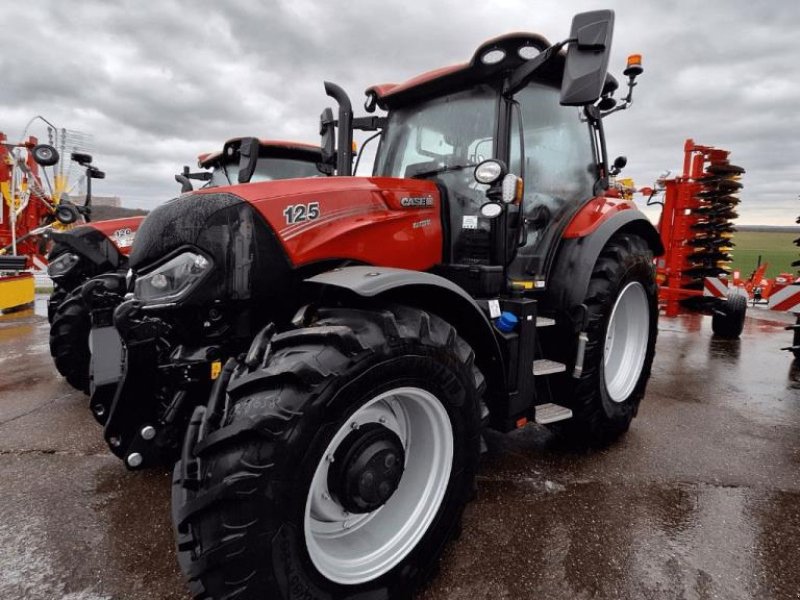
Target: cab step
x=545 y=366
x=545 y=322
x=791 y=348
x=551 y=413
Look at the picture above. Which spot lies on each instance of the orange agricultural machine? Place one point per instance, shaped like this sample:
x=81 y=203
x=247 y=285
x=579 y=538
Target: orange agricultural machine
x=696 y=229
x=25 y=209
x=760 y=289
x=35 y=204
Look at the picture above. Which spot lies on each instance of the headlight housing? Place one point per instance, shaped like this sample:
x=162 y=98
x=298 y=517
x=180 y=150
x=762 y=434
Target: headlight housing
x=62 y=264
x=173 y=280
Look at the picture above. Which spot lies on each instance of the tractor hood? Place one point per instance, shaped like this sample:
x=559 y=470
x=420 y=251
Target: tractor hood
x=382 y=221
x=253 y=231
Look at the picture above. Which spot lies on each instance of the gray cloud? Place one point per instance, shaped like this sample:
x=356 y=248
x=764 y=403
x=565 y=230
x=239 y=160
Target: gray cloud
x=158 y=83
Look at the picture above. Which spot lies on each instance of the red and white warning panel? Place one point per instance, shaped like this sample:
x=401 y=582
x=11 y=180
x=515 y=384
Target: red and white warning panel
x=786 y=299
x=715 y=287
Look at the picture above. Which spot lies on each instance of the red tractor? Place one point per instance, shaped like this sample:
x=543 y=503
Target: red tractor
x=356 y=333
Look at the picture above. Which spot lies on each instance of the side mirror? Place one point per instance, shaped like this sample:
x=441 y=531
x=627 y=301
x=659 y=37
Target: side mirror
x=587 y=57
x=81 y=158
x=619 y=163
x=248 y=157
x=183 y=179
x=327 y=131
x=95 y=173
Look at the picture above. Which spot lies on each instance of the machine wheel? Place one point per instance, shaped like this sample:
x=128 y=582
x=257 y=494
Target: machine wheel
x=342 y=465
x=728 y=320
x=69 y=340
x=56 y=299
x=45 y=155
x=796 y=341
x=622 y=304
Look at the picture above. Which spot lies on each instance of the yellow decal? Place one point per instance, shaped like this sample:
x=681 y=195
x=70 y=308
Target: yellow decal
x=216 y=368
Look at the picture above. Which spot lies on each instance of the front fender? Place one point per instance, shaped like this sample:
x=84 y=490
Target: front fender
x=434 y=294
x=576 y=257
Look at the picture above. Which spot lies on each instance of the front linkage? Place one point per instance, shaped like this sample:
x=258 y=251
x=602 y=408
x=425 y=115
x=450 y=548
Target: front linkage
x=165 y=377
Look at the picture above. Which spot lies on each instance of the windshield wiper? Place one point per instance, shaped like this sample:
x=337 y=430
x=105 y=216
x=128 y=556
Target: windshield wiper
x=422 y=174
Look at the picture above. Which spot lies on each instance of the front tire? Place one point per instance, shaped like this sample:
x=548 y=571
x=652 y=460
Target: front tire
x=56 y=299
x=69 y=340
x=621 y=330
x=295 y=495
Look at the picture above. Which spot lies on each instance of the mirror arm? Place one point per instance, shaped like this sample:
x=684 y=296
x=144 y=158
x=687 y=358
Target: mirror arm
x=369 y=123
x=627 y=101
x=523 y=73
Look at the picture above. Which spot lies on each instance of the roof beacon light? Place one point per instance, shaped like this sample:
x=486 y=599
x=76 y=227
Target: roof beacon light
x=634 y=68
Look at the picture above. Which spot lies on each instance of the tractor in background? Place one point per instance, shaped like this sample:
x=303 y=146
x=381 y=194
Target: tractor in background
x=83 y=319
x=357 y=333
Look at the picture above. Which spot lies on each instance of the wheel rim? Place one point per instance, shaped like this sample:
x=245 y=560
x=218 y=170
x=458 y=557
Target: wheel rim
x=626 y=341
x=356 y=548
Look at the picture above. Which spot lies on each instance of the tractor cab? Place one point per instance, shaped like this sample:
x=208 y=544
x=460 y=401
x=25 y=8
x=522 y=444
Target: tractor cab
x=250 y=160
x=532 y=115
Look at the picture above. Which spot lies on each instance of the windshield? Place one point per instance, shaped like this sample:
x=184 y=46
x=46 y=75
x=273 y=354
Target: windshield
x=267 y=169
x=442 y=140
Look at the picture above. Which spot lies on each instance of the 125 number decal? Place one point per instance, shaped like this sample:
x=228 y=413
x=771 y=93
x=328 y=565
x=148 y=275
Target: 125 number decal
x=295 y=213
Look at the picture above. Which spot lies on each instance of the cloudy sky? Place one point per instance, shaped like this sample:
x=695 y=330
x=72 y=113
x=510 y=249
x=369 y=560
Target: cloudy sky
x=156 y=83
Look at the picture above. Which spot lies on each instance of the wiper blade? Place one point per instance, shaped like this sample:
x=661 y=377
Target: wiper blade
x=430 y=172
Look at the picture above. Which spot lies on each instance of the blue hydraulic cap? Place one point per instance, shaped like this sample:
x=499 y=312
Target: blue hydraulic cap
x=506 y=322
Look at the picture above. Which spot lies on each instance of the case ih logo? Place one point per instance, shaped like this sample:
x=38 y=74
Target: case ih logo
x=414 y=202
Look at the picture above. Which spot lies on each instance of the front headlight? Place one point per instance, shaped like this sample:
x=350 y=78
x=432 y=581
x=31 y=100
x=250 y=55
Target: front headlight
x=62 y=265
x=172 y=280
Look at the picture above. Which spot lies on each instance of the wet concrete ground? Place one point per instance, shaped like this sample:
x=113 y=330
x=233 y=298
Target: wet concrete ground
x=700 y=500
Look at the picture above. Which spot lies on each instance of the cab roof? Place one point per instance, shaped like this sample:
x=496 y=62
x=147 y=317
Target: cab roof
x=297 y=149
x=511 y=50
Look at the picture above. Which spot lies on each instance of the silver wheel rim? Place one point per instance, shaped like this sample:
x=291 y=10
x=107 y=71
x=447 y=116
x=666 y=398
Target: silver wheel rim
x=352 y=549
x=626 y=341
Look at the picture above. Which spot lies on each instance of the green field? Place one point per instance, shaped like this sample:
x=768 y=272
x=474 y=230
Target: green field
x=775 y=248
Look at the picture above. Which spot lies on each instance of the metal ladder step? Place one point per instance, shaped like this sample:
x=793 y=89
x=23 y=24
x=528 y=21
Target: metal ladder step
x=550 y=413
x=544 y=366
x=791 y=348
x=545 y=321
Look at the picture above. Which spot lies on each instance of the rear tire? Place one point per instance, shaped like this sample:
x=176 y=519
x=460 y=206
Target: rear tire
x=254 y=523
x=796 y=342
x=728 y=320
x=69 y=340
x=616 y=366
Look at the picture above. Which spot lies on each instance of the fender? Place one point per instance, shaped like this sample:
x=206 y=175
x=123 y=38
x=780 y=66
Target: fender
x=433 y=294
x=576 y=256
